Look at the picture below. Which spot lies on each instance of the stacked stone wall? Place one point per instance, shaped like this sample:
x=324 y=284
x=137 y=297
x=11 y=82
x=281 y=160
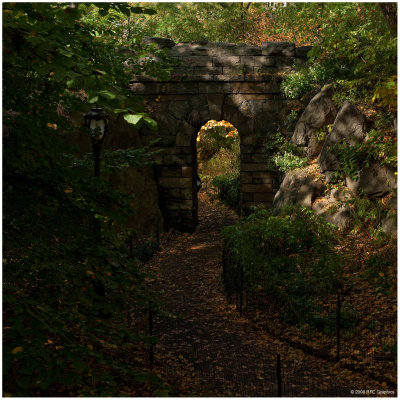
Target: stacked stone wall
x=234 y=82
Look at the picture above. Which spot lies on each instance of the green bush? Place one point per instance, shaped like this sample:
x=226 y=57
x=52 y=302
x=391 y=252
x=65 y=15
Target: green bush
x=287 y=255
x=228 y=190
x=298 y=83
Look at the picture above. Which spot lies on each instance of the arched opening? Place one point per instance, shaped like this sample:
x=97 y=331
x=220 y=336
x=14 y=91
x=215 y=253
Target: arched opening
x=217 y=162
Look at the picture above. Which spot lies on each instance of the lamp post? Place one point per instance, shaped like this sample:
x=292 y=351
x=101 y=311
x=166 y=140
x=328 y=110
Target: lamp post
x=97 y=120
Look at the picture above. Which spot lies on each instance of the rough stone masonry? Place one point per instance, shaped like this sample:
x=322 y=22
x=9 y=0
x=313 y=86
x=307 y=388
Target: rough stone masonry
x=220 y=81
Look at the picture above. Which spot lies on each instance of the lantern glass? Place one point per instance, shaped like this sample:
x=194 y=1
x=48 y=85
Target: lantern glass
x=98 y=127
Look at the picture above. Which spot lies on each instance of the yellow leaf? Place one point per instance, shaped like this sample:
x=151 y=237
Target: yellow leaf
x=18 y=349
x=90 y=347
x=381 y=274
x=68 y=190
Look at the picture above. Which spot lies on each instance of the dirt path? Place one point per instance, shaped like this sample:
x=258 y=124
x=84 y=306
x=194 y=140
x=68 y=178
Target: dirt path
x=206 y=348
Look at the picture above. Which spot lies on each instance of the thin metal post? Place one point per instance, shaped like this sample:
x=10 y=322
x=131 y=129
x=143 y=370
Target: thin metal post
x=241 y=289
x=338 y=307
x=96 y=152
x=279 y=374
x=157 y=232
x=151 y=334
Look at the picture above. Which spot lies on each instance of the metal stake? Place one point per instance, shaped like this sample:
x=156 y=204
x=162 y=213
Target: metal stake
x=279 y=374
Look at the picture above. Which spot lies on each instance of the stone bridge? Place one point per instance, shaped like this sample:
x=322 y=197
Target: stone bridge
x=235 y=82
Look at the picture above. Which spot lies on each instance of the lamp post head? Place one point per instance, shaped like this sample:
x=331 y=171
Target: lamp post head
x=97 y=120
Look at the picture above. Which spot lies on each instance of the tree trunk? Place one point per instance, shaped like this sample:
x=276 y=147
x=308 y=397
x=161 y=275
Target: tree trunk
x=389 y=11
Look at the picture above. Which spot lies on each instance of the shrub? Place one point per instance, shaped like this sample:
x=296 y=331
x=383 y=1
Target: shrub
x=287 y=255
x=228 y=190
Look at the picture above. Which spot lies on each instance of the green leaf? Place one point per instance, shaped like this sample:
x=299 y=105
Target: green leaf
x=93 y=99
x=107 y=94
x=151 y=123
x=133 y=118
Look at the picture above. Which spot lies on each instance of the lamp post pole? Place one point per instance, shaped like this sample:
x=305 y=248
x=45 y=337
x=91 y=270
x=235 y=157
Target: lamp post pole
x=97 y=121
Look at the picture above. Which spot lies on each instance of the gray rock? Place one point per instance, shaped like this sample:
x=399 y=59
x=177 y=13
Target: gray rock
x=349 y=126
x=375 y=181
x=320 y=112
x=339 y=194
x=388 y=223
x=333 y=212
x=298 y=186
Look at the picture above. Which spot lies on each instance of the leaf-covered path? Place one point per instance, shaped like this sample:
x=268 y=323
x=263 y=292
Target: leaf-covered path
x=205 y=348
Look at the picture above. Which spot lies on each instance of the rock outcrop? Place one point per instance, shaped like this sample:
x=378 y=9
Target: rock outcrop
x=374 y=181
x=321 y=111
x=350 y=127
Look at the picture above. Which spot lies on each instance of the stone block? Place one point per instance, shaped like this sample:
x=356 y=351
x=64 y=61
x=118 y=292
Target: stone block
x=264 y=175
x=248 y=87
x=263 y=61
x=222 y=61
x=254 y=158
x=278 y=48
x=177 y=159
x=183 y=139
x=186 y=194
x=173 y=171
x=246 y=177
x=215 y=105
x=160 y=43
x=247 y=196
x=215 y=87
x=261 y=180
x=256 y=188
x=302 y=51
x=179 y=109
x=273 y=87
x=180 y=205
x=264 y=197
x=187 y=172
x=182 y=87
x=245 y=51
x=168 y=182
x=248 y=139
x=253 y=167
x=198 y=61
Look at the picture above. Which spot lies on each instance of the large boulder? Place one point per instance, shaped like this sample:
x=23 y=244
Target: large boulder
x=321 y=111
x=350 y=127
x=299 y=186
x=373 y=181
x=336 y=213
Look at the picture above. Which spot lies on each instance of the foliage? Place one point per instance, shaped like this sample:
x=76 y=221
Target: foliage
x=288 y=161
x=353 y=158
x=307 y=79
x=215 y=135
x=185 y=22
x=283 y=155
x=287 y=255
x=352 y=43
x=228 y=189
x=67 y=277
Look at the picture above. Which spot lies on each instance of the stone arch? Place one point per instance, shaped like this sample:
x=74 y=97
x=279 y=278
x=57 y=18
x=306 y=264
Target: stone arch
x=234 y=82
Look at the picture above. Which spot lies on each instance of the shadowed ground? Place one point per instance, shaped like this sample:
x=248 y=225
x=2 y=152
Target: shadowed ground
x=206 y=348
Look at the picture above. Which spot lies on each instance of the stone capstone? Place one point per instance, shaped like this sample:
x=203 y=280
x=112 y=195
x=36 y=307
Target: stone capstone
x=161 y=43
x=321 y=111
